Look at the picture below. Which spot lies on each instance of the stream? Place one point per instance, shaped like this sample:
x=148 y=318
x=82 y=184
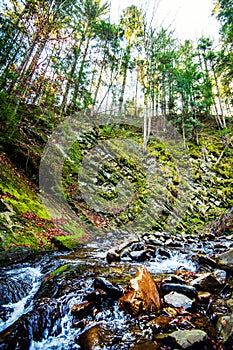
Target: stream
x=37 y=296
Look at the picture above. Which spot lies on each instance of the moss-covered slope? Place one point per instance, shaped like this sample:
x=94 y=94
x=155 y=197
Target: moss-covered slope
x=160 y=200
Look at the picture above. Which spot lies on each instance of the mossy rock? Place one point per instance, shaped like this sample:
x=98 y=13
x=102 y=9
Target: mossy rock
x=60 y=271
x=66 y=243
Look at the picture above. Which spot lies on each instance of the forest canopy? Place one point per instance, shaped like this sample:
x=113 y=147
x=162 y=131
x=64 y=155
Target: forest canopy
x=67 y=56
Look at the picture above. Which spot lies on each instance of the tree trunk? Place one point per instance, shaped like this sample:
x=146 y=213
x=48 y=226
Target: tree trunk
x=99 y=79
x=11 y=61
x=125 y=71
x=223 y=121
x=68 y=84
x=77 y=85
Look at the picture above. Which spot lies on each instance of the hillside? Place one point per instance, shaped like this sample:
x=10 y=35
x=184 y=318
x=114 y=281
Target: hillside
x=158 y=202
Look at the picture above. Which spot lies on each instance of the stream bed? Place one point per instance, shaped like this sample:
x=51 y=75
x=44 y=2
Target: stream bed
x=39 y=296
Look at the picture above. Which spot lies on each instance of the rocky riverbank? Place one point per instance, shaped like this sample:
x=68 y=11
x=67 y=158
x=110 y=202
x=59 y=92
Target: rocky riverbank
x=156 y=291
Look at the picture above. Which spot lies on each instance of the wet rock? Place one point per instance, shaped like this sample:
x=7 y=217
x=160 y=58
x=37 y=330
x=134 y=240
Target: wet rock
x=220 y=246
x=15 y=340
x=77 y=323
x=166 y=234
x=177 y=279
x=131 y=244
x=65 y=279
x=163 y=252
x=227 y=291
x=96 y=296
x=46 y=316
x=93 y=338
x=210 y=281
x=225 y=260
x=125 y=254
x=171 y=243
x=185 y=324
x=190 y=291
x=141 y=296
x=155 y=241
x=138 y=256
x=191 y=240
x=13 y=289
x=111 y=290
x=178 y=300
x=142 y=255
x=220 y=276
x=112 y=256
x=225 y=329
x=160 y=324
x=203 y=297
x=82 y=310
x=159 y=235
x=168 y=242
x=5 y=312
x=138 y=246
x=219 y=307
x=21 y=255
x=186 y=339
x=205 y=260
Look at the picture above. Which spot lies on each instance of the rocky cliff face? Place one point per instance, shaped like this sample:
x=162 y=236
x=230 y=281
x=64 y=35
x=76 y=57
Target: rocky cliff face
x=165 y=188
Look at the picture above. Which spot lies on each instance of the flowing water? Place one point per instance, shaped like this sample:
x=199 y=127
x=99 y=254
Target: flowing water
x=30 y=278
x=37 y=299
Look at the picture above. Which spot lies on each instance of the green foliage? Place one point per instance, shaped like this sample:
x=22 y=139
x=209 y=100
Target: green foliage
x=86 y=55
x=64 y=56
x=9 y=119
x=225 y=15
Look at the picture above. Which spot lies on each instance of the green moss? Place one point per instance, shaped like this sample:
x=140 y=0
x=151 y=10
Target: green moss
x=214 y=185
x=225 y=169
x=194 y=153
x=24 y=220
x=18 y=193
x=59 y=271
x=67 y=242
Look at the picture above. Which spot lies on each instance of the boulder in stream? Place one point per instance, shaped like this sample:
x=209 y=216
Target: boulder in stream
x=178 y=300
x=225 y=260
x=94 y=337
x=106 y=286
x=142 y=255
x=210 y=281
x=190 y=291
x=82 y=310
x=185 y=339
x=141 y=296
x=113 y=256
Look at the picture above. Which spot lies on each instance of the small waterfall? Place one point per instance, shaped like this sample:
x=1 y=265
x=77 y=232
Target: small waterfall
x=24 y=284
x=38 y=312
x=176 y=261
